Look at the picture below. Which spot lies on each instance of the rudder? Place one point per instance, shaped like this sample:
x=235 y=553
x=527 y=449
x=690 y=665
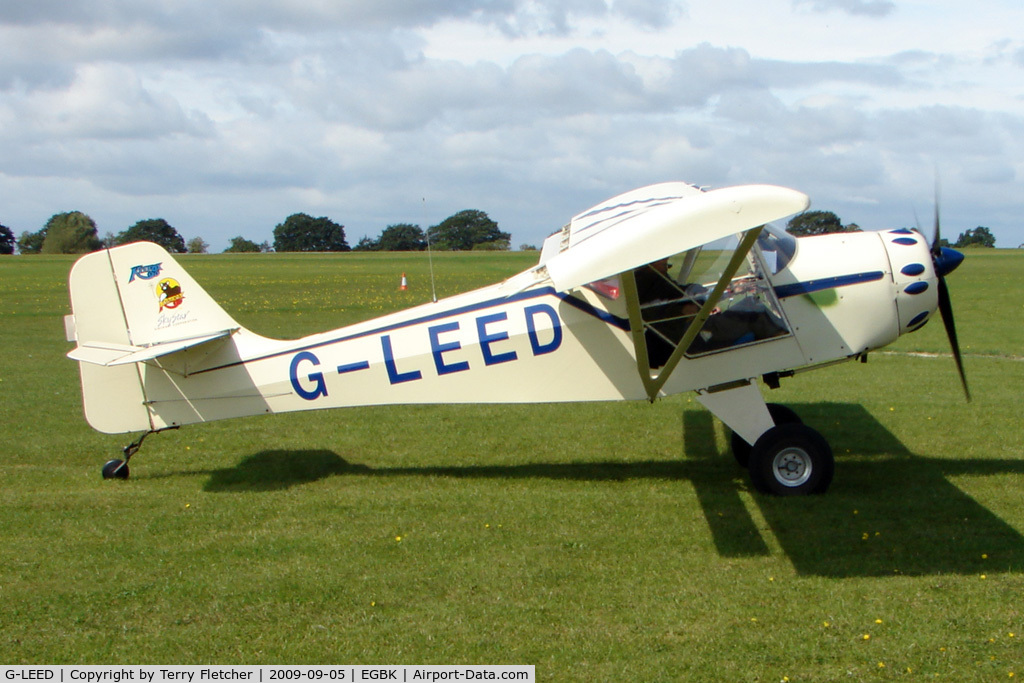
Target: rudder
x=132 y=304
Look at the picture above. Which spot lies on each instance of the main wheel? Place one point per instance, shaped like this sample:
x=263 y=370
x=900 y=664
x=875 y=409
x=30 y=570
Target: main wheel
x=780 y=415
x=115 y=469
x=791 y=460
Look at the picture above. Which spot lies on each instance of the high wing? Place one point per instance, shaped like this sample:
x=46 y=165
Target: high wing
x=650 y=223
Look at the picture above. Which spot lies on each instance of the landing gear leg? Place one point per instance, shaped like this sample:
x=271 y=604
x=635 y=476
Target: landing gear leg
x=741 y=449
x=117 y=468
x=784 y=456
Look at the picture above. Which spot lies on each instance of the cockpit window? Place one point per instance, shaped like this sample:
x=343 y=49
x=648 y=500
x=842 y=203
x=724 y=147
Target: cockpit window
x=671 y=292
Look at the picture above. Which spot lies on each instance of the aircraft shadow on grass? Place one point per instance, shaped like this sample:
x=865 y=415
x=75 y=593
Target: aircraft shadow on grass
x=889 y=512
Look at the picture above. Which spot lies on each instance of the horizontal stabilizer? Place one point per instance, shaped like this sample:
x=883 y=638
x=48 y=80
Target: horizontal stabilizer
x=110 y=355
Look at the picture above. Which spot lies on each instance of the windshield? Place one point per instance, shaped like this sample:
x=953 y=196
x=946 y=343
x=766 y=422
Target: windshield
x=777 y=247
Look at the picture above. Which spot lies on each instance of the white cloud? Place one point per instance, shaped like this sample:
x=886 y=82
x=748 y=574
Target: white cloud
x=230 y=116
x=869 y=8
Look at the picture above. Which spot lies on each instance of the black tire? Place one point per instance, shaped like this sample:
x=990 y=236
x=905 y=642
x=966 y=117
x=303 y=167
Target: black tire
x=115 y=469
x=780 y=415
x=791 y=460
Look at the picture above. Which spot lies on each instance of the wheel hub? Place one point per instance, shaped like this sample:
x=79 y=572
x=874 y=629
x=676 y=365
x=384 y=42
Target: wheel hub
x=792 y=466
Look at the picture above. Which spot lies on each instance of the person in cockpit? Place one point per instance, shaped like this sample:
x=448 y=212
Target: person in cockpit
x=668 y=308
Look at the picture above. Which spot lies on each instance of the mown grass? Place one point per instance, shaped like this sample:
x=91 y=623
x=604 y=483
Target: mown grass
x=597 y=541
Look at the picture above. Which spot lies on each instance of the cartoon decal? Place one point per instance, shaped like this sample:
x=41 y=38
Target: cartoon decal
x=169 y=293
x=145 y=272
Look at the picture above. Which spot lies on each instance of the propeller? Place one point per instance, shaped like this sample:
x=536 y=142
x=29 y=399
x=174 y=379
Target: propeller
x=946 y=261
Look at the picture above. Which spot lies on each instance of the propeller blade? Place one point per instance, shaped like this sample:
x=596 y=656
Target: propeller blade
x=946 y=261
x=946 y=311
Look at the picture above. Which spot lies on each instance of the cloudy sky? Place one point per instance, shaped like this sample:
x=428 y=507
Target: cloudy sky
x=226 y=116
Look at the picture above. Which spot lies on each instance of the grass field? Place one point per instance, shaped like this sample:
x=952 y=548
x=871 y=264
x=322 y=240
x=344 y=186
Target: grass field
x=598 y=542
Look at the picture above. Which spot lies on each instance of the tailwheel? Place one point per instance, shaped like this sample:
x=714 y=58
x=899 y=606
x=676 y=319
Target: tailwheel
x=780 y=415
x=115 y=469
x=791 y=460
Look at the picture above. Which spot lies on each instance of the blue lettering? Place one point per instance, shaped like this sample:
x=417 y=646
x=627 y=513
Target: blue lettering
x=145 y=272
x=354 y=367
x=531 y=328
x=319 y=385
x=486 y=339
x=394 y=376
x=437 y=349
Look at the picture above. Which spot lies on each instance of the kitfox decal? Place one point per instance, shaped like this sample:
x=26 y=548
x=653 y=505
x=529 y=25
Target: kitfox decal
x=145 y=272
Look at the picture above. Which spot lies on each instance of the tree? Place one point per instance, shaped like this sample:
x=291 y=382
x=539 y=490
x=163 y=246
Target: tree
x=31 y=242
x=240 y=245
x=197 y=245
x=154 y=230
x=818 y=223
x=367 y=243
x=467 y=229
x=402 y=237
x=301 y=232
x=6 y=240
x=70 y=233
x=496 y=245
x=978 y=237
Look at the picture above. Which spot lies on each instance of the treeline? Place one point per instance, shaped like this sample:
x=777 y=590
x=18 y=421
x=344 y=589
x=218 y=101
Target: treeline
x=826 y=223
x=74 y=232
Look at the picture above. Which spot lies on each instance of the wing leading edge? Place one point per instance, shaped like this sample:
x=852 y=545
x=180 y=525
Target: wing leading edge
x=647 y=224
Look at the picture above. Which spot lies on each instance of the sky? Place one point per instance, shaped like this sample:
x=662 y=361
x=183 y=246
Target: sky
x=224 y=117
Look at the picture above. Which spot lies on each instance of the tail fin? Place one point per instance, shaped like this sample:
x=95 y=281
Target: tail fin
x=133 y=304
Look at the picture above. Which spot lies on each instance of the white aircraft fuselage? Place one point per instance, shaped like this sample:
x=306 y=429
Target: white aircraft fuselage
x=165 y=354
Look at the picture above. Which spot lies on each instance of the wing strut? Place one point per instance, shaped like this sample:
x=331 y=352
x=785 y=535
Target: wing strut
x=653 y=382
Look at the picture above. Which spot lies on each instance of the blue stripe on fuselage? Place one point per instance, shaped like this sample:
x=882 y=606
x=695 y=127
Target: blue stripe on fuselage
x=798 y=288
x=782 y=291
x=583 y=306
